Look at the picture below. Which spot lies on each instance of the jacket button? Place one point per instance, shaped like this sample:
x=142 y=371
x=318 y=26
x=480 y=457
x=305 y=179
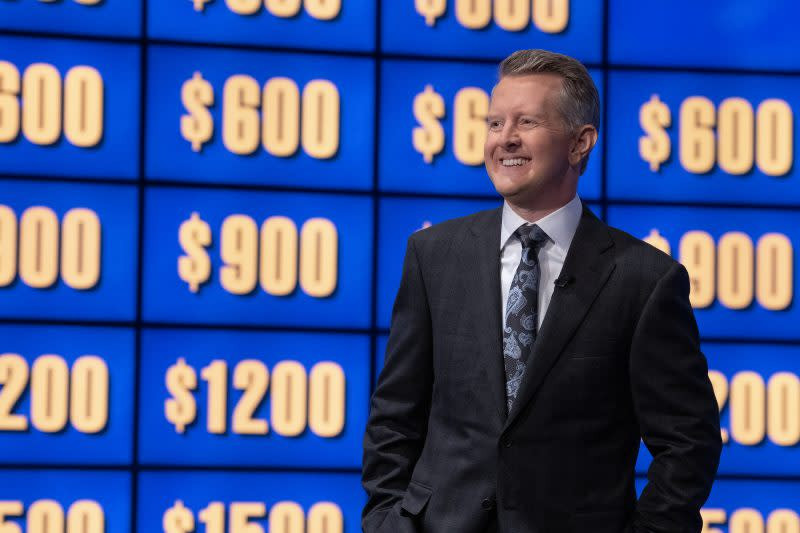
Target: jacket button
x=507 y=442
x=487 y=504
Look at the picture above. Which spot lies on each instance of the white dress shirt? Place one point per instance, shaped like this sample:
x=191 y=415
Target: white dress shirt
x=560 y=226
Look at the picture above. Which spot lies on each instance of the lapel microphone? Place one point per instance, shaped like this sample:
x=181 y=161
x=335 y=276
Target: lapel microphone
x=563 y=280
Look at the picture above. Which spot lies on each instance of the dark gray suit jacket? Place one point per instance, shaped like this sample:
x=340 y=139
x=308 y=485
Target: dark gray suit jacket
x=617 y=359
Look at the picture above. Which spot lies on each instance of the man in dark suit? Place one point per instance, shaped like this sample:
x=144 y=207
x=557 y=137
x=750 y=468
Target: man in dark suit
x=532 y=347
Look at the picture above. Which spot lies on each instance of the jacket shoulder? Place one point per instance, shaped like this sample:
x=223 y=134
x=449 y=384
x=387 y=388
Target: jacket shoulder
x=448 y=229
x=434 y=245
x=639 y=256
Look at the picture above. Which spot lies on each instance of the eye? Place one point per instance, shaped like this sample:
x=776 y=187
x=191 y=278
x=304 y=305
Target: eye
x=494 y=124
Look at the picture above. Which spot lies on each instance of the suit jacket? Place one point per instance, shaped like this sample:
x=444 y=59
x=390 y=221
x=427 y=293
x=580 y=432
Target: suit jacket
x=616 y=360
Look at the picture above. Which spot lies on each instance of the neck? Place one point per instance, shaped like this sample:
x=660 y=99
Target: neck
x=534 y=213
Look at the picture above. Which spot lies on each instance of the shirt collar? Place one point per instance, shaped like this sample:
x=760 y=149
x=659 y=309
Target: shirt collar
x=560 y=225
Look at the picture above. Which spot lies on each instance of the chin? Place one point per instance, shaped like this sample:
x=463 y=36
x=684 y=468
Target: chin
x=507 y=186
x=510 y=192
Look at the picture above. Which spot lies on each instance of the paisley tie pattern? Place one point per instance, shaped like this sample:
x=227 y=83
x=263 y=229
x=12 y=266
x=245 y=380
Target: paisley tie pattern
x=521 y=310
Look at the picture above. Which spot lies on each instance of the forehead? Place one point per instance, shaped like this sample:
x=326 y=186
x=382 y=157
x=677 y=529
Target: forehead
x=530 y=92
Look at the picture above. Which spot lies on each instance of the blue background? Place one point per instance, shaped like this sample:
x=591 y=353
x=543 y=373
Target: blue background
x=69 y=446
x=115 y=156
x=158 y=491
x=167 y=297
x=730 y=34
x=716 y=320
x=108 y=17
x=738 y=459
x=631 y=178
x=764 y=496
x=402 y=81
x=143 y=180
x=114 y=296
x=112 y=490
x=170 y=156
x=582 y=37
x=217 y=23
x=161 y=444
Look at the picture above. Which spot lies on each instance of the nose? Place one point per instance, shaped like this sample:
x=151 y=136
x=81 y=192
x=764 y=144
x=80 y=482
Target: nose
x=509 y=137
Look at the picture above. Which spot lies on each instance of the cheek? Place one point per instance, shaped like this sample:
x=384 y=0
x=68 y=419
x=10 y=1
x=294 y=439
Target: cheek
x=488 y=147
x=548 y=151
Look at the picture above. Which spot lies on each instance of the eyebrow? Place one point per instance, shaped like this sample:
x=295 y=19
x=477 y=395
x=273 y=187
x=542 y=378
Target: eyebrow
x=536 y=116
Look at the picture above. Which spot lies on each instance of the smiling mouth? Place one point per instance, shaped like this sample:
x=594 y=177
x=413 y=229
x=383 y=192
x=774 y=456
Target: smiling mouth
x=515 y=162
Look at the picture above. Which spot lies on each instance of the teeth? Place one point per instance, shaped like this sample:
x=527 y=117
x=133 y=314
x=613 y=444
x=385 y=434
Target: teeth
x=514 y=162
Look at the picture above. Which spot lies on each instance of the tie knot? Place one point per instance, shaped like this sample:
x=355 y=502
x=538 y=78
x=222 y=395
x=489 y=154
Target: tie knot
x=531 y=236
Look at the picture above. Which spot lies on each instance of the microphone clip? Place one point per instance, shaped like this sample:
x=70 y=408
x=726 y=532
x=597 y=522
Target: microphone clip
x=563 y=280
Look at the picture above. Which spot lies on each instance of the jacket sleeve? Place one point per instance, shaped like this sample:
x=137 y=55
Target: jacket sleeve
x=676 y=408
x=400 y=405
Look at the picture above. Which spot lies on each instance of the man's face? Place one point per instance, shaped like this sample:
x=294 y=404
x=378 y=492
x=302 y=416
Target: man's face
x=527 y=147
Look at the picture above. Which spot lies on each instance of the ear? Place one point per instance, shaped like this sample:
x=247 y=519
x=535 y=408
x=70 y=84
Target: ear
x=583 y=142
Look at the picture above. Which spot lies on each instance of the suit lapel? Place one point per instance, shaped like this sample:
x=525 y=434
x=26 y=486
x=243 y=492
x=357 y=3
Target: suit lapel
x=485 y=280
x=588 y=264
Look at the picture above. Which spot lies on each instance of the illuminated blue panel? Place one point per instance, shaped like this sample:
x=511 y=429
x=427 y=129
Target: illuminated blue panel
x=168 y=298
x=160 y=491
x=113 y=297
x=111 y=490
x=631 y=175
x=763 y=497
x=112 y=443
x=115 y=154
x=405 y=30
x=754 y=321
x=352 y=28
x=116 y=18
x=162 y=443
x=171 y=156
x=765 y=457
x=400 y=217
x=705 y=34
x=403 y=168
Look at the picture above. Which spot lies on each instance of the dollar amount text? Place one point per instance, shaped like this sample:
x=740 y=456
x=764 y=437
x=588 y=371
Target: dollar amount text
x=35 y=254
x=284 y=517
x=742 y=136
x=277 y=264
x=318 y=9
x=471 y=104
x=297 y=399
x=82 y=2
x=726 y=269
x=758 y=409
x=47 y=516
x=58 y=393
x=44 y=97
x=748 y=520
x=549 y=16
x=280 y=126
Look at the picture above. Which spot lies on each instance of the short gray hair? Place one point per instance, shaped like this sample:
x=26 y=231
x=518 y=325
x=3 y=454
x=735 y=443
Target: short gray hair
x=580 y=101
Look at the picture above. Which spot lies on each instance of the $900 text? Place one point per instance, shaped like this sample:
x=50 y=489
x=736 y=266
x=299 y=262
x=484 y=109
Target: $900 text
x=276 y=266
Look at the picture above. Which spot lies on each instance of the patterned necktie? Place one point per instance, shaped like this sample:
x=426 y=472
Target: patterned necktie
x=521 y=310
